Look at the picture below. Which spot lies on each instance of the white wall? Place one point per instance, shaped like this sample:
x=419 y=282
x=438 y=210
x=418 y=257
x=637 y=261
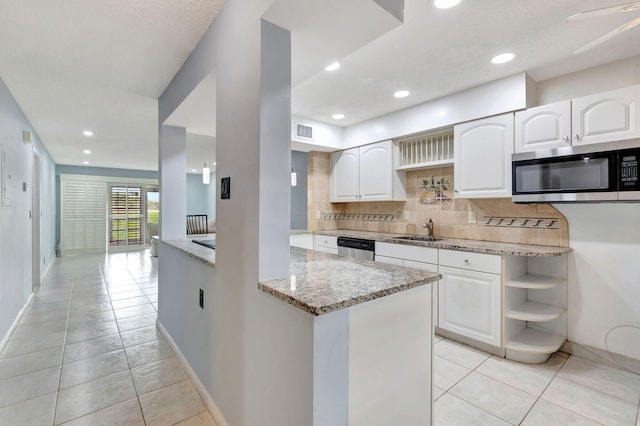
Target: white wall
x=504 y=95
x=614 y=75
x=604 y=287
x=254 y=151
x=326 y=137
x=201 y=198
x=15 y=223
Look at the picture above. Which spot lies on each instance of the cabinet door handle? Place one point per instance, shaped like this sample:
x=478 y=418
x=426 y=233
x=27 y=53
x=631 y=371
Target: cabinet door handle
x=466 y=261
x=566 y=138
x=577 y=136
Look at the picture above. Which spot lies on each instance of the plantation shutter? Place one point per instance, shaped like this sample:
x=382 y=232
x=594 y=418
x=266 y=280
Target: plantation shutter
x=127 y=223
x=83 y=221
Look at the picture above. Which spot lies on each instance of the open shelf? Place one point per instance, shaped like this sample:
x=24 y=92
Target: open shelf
x=426 y=165
x=535 y=282
x=532 y=311
x=534 y=341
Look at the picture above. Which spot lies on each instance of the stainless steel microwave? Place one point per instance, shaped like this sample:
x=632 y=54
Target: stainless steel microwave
x=597 y=172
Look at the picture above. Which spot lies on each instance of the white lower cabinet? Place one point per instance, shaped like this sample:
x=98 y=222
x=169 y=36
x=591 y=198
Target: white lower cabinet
x=526 y=318
x=325 y=243
x=301 y=240
x=424 y=258
x=469 y=304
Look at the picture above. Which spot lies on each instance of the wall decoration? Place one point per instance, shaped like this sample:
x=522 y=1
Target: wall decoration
x=433 y=191
x=5 y=179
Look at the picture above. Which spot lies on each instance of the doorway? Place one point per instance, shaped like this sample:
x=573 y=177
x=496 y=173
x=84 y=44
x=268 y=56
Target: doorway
x=36 y=215
x=127 y=208
x=152 y=212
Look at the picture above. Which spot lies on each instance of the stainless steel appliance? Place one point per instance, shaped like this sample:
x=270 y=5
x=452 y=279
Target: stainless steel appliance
x=356 y=247
x=598 y=172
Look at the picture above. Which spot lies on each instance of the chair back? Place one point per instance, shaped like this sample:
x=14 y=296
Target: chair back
x=196 y=224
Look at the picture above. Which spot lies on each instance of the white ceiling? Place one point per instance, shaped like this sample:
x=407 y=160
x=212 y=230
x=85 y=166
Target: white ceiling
x=101 y=65
x=439 y=52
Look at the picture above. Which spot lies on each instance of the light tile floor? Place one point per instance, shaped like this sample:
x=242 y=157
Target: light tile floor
x=87 y=351
x=472 y=387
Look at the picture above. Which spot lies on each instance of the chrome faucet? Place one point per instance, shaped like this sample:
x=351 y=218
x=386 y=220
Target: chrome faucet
x=429 y=227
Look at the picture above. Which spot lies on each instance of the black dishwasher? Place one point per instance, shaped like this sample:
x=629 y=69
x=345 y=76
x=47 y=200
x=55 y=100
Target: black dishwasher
x=357 y=248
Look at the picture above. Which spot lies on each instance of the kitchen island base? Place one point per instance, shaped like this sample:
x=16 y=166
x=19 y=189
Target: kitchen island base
x=371 y=362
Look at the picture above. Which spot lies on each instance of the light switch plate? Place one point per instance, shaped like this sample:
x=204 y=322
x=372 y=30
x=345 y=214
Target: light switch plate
x=472 y=217
x=407 y=216
x=225 y=188
x=318 y=215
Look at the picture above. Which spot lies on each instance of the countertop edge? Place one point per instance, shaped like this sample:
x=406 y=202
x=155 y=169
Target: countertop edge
x=488 y=247
x=321 y=310
x=193 y=250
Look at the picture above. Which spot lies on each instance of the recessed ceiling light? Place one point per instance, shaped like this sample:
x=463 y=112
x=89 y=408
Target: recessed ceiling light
x=503 y=58
x=194 y=171
x=445 y=4
x=87 y=133
x=337 y=116
x=86 y=151
x=85 y=162
x=401 y=94
x=334 y=66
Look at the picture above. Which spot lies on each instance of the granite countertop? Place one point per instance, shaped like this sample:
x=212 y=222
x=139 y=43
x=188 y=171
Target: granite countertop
x=299 y=232
x=196 y=251
x=320 y=283
x=489 y=247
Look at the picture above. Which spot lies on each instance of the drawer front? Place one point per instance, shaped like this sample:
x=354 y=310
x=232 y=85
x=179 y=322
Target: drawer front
x=408 y=252
x=325 y=241
x=490 y=263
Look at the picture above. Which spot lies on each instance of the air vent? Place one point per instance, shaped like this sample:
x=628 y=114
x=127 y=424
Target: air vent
x=303 y=131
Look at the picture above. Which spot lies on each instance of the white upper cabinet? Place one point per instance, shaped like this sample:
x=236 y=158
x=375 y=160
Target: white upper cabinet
x=603 y=117
x=482 y=157
x=543 y=127
x=607 y=116
x=376 y=169
x=366 y=173
x=345 y=175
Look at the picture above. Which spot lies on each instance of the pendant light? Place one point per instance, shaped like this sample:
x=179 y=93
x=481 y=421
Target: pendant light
x=206 y=174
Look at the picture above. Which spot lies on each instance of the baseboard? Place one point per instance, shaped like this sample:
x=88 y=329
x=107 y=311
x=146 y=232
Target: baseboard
x=208 y=401
x=470 y=342
x=602 y=356
x=44 y=274
x=6 y=338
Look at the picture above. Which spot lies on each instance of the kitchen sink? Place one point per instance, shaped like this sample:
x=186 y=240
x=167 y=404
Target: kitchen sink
x=419 y=238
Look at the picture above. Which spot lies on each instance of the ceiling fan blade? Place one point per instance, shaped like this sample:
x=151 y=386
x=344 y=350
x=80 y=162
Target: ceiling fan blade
x=609 y=35
x=628 y=7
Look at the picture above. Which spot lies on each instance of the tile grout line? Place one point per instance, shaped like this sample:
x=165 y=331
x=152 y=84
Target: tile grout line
x=64 y=349
x=135 y=388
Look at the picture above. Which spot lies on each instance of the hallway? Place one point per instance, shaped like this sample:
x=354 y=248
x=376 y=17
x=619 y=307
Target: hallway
x=87 y=351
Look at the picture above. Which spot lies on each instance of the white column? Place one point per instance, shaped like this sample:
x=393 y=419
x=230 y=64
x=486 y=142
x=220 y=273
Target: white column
x=172 y=165
x=275 y=151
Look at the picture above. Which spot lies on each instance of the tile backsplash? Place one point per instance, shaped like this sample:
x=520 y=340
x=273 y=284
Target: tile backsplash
x=496 y=219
